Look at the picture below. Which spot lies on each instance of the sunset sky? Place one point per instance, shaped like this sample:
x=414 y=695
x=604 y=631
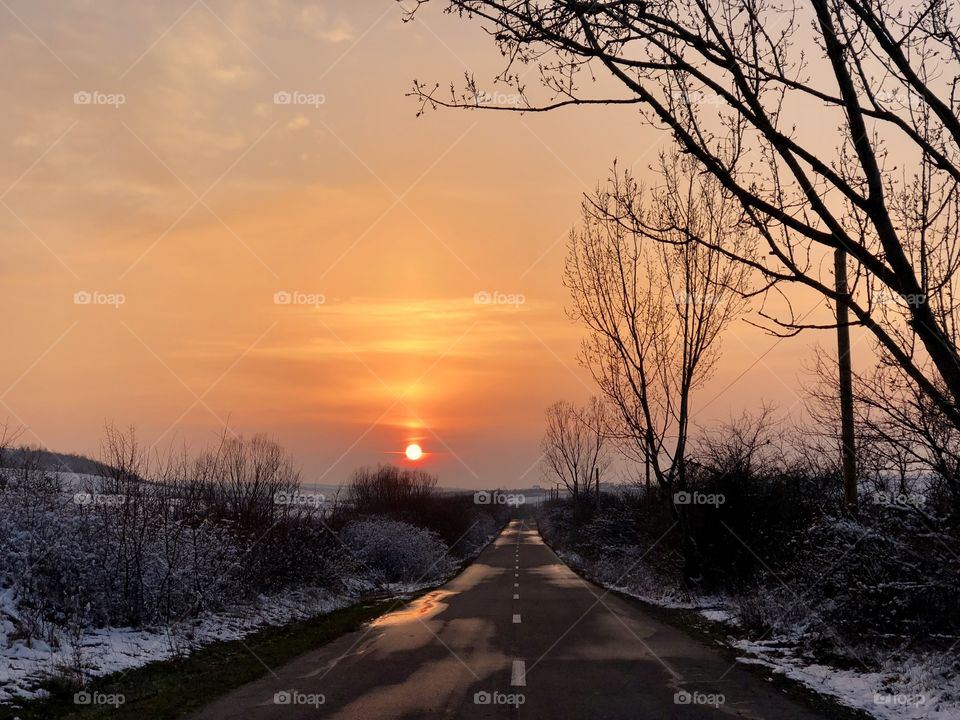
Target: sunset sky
x=192 y=213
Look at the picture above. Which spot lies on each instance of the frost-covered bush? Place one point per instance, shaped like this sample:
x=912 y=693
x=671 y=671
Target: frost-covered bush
x=397 y=552
x=411 y=496
x=109 y=565
x=482 y=528
x=556 y=524
x=888 y=580
x=140 y=547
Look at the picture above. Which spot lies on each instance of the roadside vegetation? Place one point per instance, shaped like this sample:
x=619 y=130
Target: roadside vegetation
x=161 y=556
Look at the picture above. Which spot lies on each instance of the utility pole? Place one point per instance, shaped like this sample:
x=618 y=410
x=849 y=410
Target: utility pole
x=847 y=435
x=596 y=474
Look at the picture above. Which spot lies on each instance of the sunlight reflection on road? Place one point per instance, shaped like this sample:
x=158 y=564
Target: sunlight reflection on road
x=420 y=609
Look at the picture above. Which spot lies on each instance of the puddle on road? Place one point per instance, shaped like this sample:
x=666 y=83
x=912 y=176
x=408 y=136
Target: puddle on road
x=420 y=609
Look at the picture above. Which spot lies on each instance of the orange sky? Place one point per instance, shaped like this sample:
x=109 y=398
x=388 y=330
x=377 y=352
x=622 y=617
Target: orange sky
x=199 y=198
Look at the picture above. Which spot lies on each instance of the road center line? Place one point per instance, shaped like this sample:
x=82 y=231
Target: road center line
x=516 y=618
x=516 y=597
x=518 y=674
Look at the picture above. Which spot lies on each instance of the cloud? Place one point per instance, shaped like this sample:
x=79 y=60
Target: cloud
x=298 y=123
x=314 y=20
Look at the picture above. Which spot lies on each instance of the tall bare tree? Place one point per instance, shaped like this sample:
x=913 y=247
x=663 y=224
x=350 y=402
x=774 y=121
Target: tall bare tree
x=575 y=445
x=834 y=123
x=650 y=283
x=656 y=301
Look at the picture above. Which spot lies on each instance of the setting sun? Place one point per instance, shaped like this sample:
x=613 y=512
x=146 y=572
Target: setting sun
x=414 y=451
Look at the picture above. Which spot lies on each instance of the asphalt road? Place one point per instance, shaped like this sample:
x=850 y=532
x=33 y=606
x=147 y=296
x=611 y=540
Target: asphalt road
x=516 y=635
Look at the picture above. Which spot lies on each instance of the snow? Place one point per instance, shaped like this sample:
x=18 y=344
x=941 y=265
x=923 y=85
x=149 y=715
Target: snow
x=402 y=560
x=720 y=616
x=108 y=650
x=919 y=688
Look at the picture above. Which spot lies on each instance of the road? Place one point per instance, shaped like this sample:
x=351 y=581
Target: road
x=516 y=635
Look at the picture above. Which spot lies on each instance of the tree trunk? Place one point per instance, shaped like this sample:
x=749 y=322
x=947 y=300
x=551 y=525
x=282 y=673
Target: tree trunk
x=847 y=435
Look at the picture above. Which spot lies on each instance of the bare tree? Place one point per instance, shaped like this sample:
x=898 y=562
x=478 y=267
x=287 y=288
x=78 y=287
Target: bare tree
x=656 y=301
x=575 y=445
x=655 y=294
x=834 y=123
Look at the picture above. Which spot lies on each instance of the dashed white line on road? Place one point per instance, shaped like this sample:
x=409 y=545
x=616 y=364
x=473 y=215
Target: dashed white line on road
x=516 y=584
x=516 y=597
x=516 y=618
x=518 y=674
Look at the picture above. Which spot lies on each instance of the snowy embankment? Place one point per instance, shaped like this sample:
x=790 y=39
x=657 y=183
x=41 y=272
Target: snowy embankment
x=918 y=687
x=25 y=665
x=399 y=560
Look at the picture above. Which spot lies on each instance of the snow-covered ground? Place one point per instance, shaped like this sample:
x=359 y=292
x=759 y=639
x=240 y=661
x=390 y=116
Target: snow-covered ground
x=23 y=665
x=922 y=687
x=109 y=650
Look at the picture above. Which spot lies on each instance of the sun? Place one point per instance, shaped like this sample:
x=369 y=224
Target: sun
x=414 y=451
